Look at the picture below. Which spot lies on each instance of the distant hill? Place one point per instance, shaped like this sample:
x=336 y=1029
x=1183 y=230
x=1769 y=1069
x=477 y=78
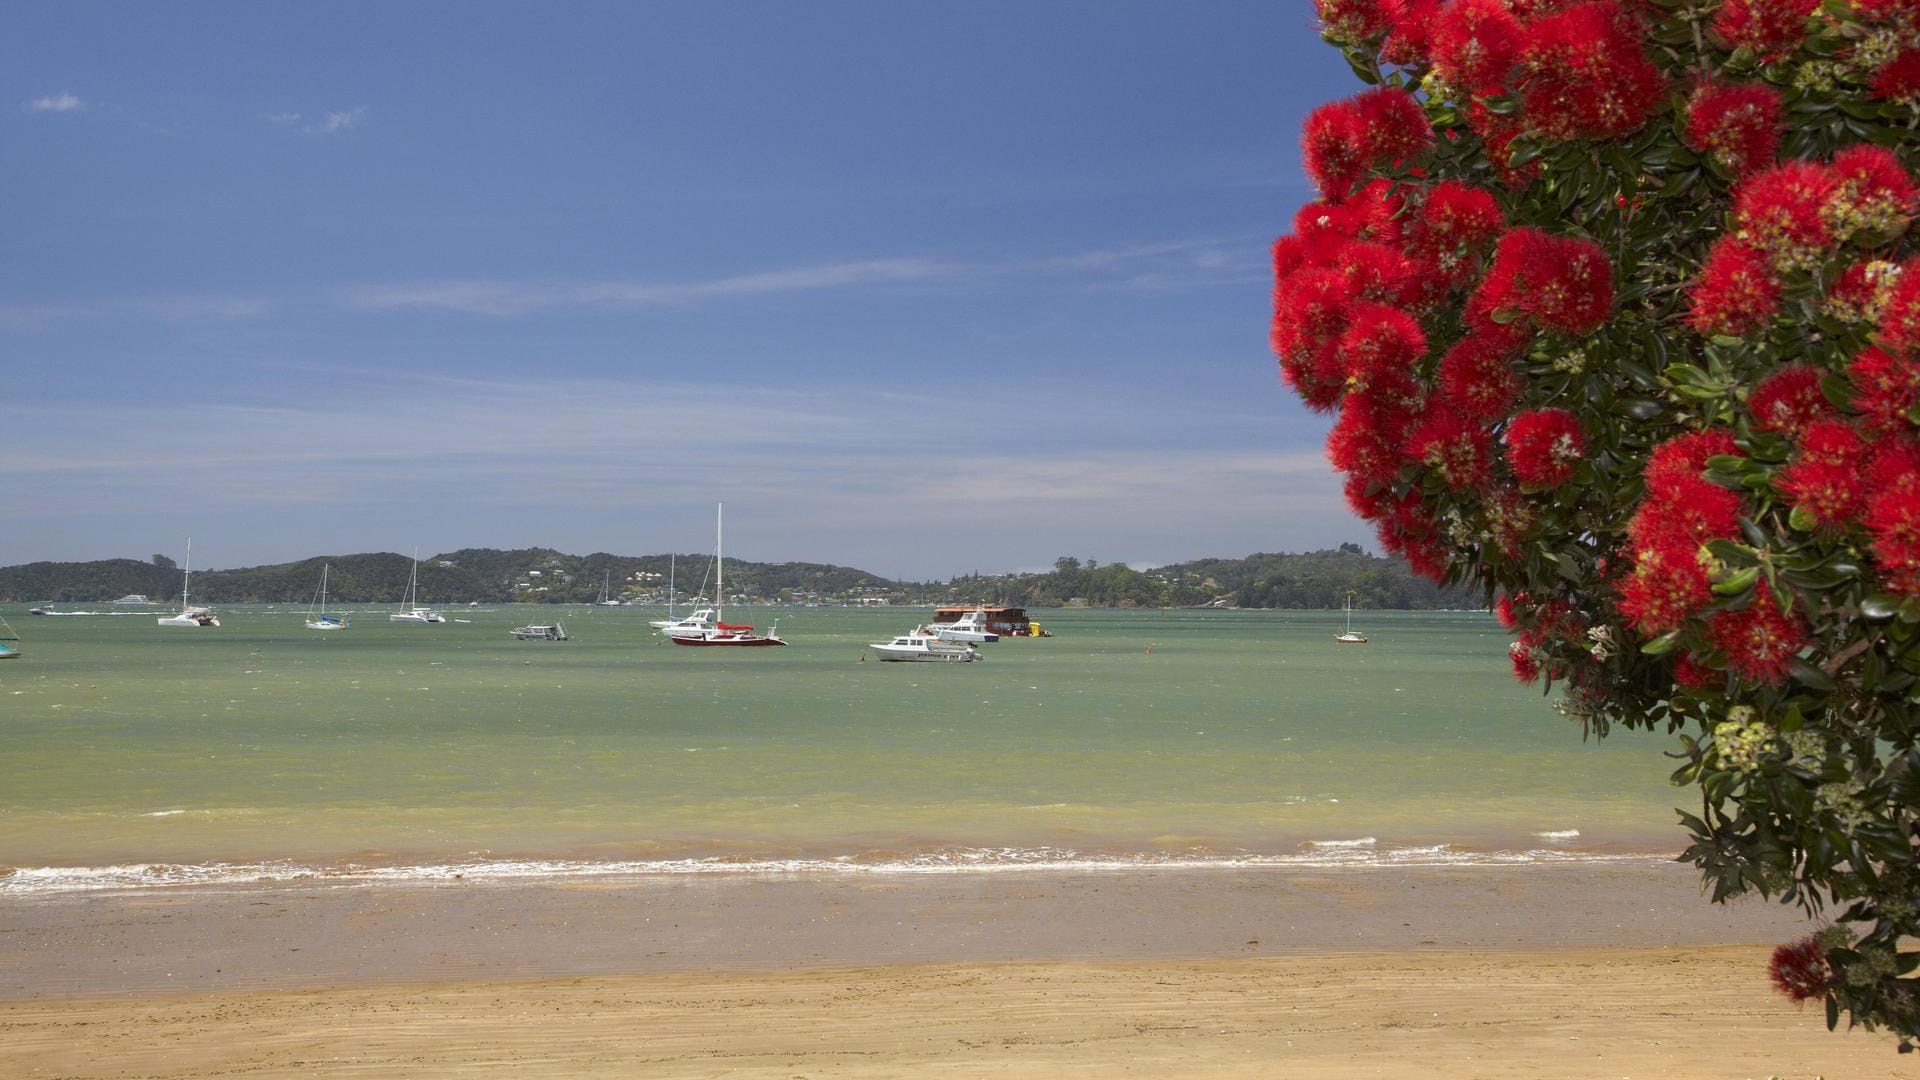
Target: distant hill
x=1318 y=579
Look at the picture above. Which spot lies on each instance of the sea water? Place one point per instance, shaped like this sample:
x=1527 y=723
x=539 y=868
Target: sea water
x=138 y=754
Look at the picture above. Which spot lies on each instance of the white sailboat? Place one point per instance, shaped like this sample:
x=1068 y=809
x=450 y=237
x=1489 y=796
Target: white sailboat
x=9 y=641
x=1349 y=637
x=189 y=615
x=317 y=617
x=719 y=633
x=606 y=600
x=410 y=609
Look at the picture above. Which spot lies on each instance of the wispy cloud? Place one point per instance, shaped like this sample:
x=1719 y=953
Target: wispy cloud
x=505 y=298
x=331 y=122
x=57 y=103
x=162 y=308
x=825 y=481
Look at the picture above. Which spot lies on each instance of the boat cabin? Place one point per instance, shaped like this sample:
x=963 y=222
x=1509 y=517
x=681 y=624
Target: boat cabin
x=1005 y=621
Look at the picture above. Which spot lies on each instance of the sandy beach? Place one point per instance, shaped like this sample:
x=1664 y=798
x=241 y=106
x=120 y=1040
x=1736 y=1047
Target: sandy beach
x=1540 y=971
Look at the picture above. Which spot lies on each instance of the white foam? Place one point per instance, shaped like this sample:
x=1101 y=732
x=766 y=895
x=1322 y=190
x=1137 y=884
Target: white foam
x=1335 y=854
x=1559 y=834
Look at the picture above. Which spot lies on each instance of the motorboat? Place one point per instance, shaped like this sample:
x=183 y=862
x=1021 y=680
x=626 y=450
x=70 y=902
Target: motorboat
x=189 y=615
x=700 y=620
x=970 y=627
x=925 y=647
x=556 y=632
x=410 y=609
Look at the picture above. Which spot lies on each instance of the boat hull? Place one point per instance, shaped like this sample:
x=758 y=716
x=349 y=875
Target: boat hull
x=733 y=640
x=417 y=616
x=892 y=654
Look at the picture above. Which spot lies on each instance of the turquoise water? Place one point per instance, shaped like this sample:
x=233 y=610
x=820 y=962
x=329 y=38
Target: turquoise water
x=1128 y=736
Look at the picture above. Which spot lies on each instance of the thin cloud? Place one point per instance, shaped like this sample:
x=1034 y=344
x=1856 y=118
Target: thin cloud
x=172 y=309
x=57 y=103
x=331 y=122
x=505 y=298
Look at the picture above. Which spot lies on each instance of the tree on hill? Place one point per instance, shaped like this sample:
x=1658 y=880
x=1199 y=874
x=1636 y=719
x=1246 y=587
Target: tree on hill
x=1618 y=313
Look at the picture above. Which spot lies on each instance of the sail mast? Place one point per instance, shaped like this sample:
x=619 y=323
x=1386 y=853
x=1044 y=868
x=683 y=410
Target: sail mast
x=719 y=565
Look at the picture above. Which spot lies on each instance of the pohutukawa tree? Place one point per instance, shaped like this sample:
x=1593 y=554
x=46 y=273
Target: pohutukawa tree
x=1616 y=308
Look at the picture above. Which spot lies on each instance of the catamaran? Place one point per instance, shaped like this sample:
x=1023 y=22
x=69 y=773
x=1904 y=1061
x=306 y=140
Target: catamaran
x=9 y=641
x=410 y=609
x=720 y=632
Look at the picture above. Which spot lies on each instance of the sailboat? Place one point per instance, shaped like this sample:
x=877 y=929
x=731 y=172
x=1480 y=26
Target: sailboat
x=1349 y=637
x=189 y=615
x=719 y=633
x=410 y=610
x=9 y=647
x=317 y=617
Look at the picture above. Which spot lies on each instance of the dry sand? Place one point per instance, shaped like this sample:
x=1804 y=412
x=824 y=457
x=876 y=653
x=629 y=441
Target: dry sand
x=1527 y=972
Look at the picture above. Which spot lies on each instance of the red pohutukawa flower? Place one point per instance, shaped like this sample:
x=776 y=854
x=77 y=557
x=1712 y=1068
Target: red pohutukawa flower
x=1474 y=44
x=1689 y=672
x=1739 y=124
x=1685 y=457
x=1781 y=212
x=1526 y=661
x=1800 y=970
x=1886 y=388
x=1759 y=640
x=1898 y=79
x=1771 y=29
x=1453 y=447
x=1396 y=125
x=1309 y=309
x=1408 y=529
x=1585 y=73
x=1788 y=400
x=1455 y=224
x=1365 y=441
x=1685 y=511
x=1373 y=271
x=1411 y=38
x=1860 y=293
x=1497 y=131
x=1354 y=22
x=1667 y=586
x=1563 y=284
x=1893 y=516
x=1900 y=317
x=1333 y=144
x=1543 y=446
x=1477 y=379
x=1824 y=481
x=1737 y=292
x=1874 y=197
x=1380 y=344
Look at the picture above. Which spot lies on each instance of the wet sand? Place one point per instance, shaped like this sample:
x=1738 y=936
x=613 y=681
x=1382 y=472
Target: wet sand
x=1536 y=971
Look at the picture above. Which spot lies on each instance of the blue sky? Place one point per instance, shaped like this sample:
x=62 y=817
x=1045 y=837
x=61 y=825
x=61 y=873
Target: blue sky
x=920 y=288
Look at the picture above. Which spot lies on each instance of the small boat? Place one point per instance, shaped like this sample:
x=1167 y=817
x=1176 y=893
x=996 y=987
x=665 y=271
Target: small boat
x=43 y=609
x=698 y=622
x=721 y=632
x=410 y=609
x=189 y=615
x=1349 y=637
x=556 y=632
x=9 y=642
x=970 y=627
x=1008 y=622
x=606 y=600
x=925 y=647
x=317 y=617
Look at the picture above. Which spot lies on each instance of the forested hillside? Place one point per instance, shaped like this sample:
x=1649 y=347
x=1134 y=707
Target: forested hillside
x=1319 y=579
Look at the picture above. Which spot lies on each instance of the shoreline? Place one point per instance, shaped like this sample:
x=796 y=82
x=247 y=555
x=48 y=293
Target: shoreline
x=330 y=934
x=1568 y=971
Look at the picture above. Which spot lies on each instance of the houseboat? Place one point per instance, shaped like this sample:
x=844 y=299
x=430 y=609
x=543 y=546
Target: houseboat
x=1005 y=621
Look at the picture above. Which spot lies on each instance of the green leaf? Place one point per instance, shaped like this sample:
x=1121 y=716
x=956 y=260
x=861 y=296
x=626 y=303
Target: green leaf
x=1737 y=583
x=1879 y=605
x=1811 y=677
x=1661 y=645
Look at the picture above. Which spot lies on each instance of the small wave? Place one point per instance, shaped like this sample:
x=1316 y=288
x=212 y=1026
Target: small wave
x=1559 y=834
x=1318 y=855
